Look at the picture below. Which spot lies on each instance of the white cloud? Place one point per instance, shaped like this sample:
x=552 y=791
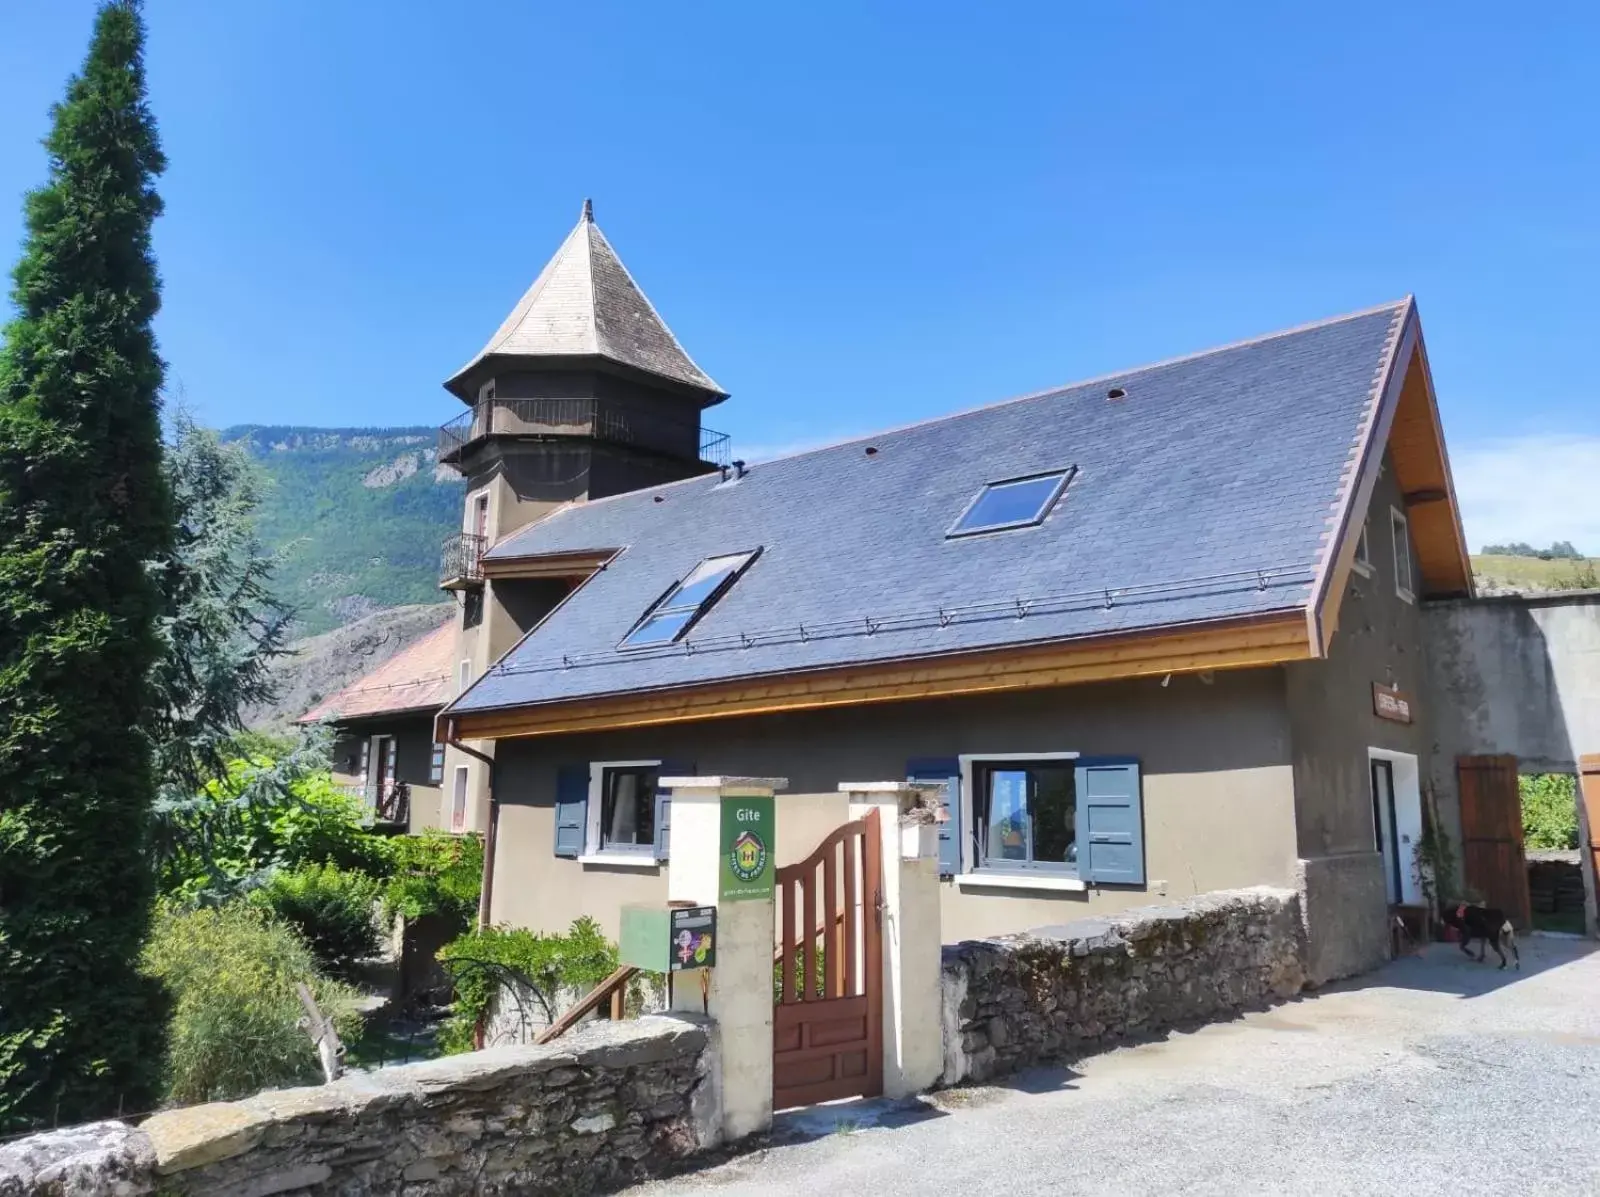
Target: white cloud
x=1537 y=489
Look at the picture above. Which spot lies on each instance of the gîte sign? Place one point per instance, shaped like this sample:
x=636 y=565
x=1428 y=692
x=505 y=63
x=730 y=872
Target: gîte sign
x=1389 y=703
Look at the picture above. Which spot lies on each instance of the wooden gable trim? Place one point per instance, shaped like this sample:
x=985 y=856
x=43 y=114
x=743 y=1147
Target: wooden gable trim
x=1236 y=644
x=1422 y=467
x=550 y=565
x=1405 y=421
x=1322 y=613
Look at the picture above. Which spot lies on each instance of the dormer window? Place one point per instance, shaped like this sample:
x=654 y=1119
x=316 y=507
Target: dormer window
x=1012 y=503
x=676 y=611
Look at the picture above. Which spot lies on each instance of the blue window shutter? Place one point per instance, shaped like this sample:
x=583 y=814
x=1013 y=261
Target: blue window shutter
x=572 y=810
x=664 y=805
x=1110 y=821
x=944 y=771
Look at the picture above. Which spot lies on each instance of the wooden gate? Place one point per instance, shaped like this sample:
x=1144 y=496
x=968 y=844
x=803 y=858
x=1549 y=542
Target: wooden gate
x=827 y=1032
x=1589 y=825
x=1491 y=834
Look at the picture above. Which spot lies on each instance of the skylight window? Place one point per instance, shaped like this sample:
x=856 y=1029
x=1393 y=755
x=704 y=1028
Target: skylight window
x=1012 y=503
x=688 y=599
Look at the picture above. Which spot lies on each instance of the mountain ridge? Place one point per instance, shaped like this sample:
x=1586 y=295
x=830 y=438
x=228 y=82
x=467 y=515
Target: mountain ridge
x=355 y=514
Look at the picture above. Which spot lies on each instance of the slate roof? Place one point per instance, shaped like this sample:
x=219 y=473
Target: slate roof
x=416 y=679
x=585 y=304
x=1208 y=491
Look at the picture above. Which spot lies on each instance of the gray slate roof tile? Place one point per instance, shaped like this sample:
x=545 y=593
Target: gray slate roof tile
x=1228 y=464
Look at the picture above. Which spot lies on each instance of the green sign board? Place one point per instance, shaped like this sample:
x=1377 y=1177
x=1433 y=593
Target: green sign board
x=748 y=849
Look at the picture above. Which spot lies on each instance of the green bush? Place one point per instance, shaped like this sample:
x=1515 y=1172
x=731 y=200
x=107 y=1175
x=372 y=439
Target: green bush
x=264 y=814
x=333 y=910
x=231 y=972
x=1549 y=810
x=435 y=873
x=483 y=960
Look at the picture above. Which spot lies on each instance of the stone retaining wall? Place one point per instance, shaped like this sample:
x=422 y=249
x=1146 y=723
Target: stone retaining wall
x=603 y=1106
x=1050 y=994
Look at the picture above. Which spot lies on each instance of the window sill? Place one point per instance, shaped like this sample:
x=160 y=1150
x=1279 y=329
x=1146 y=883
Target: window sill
x=1364 y=568
x=621 y=860
x=1405 y=596
x=988 y=881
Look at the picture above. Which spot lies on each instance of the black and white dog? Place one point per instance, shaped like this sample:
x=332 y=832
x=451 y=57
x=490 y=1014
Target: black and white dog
x=1485 y=924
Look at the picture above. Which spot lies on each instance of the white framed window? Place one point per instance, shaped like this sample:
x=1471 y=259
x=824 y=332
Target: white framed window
x=1363 y=561
x=1402 y=555
x=622 y=812
x=1022 y=812
x=458 y=800
x=436 y=764
x=1043 y=821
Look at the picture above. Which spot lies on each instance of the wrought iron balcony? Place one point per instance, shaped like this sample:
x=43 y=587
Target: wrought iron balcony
x=461 y=562
x=386 y=802
x=580 y=418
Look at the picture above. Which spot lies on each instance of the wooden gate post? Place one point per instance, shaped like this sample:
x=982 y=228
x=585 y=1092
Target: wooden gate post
x=739 y=996
x=912 y=1013
x=1589 y=838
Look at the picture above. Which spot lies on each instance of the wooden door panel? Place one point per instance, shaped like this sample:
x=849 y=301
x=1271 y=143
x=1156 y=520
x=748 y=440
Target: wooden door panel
x=1492 y=856
x=827 y=1027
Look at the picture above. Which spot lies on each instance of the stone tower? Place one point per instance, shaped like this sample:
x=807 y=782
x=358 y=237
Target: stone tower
x=581 y=392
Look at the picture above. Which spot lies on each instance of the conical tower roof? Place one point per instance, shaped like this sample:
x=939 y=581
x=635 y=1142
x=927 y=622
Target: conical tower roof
x=585 y=304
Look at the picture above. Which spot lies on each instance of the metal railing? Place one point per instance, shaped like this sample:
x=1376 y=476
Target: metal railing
x=461 y=559
x=581 y=417
x=384 y=802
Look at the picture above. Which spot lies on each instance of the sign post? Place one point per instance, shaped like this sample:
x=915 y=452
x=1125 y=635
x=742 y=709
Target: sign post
x=748 y=850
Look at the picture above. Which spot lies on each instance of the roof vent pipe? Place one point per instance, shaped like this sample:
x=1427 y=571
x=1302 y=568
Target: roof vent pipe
x=738 y=469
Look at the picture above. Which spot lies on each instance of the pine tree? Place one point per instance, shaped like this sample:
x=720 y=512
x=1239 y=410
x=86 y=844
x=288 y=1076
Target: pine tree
x=221 y=625
x=83 y=509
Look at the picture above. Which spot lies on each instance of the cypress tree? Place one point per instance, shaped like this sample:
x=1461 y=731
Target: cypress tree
x=83 y=510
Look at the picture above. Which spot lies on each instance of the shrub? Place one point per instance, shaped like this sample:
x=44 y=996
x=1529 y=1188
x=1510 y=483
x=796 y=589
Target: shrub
x=481 y=961
x=334 y=911
x=1549 y=810
x=231 y=972
x=435 y=873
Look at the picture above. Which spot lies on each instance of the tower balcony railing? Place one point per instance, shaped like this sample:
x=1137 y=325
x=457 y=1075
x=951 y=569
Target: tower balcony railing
x=580 y=418
x=461 y=561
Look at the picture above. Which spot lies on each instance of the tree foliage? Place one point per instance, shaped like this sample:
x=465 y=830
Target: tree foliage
x=1549 y=810
x=83 y=509
x=221 y=625
x=1561 y=550
x=260 y=816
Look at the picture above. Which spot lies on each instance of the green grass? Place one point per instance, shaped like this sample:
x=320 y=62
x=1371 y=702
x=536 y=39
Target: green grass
x=1532 y=573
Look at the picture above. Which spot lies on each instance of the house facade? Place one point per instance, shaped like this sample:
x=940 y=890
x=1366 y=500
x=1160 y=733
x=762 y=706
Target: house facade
x=384 y=751
x=1150 y=635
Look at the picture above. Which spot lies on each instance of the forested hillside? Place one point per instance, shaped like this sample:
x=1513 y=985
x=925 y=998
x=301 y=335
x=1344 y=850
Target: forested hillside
x=358 y=515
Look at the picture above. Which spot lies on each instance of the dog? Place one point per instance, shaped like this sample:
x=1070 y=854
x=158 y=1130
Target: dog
x=1485 y=924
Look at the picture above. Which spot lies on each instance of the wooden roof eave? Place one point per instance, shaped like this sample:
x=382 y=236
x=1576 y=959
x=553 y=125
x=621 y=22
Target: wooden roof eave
x=1405 y=421
x=1268 y=639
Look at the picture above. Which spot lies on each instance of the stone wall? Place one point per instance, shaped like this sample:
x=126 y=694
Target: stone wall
x=603 y=1106
x=1054 y=993
x=1344 y=905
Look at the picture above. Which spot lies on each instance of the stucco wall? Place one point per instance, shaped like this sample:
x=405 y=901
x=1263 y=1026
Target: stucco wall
x=1332 y=725
x=1518 y=675
x=1216 y=769
x=1379 y=639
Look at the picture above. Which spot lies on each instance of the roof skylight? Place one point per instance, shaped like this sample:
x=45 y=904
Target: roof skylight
x=1012 y=503
x=677 y=610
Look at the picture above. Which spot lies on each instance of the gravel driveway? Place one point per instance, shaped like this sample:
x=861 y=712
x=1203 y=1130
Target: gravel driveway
x=1433 y=1076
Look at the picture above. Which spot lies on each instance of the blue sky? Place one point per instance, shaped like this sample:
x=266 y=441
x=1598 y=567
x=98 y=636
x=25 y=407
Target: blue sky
x=856 y=215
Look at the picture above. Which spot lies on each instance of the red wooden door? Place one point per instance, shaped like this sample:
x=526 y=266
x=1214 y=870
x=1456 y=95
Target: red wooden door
x=827 y=1033
x=1491 y=833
